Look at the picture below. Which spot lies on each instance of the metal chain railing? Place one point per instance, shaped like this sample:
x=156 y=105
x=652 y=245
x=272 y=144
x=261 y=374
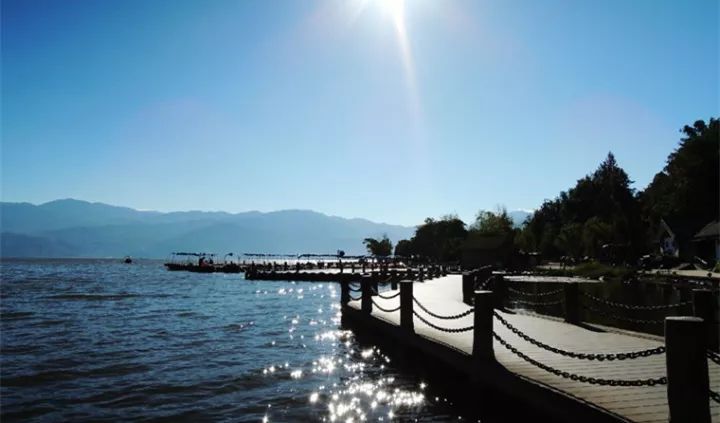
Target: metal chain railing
x=483 y=285
x=581 y=356
x=714 y=396
x=581 y=378
x=623 y=318
x=386 y=310
x=442 y=329
x=439 y=316
x=352 y=289
x=538 y=303
x=388 y=297
x=715 y=357
x=534 y=294
x=354 y=298
x=636 y=307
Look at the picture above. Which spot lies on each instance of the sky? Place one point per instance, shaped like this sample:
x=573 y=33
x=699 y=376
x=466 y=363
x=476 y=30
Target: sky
x=389 y=110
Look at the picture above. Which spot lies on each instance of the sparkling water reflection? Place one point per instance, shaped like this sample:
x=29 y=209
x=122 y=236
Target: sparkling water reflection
x=101 y=340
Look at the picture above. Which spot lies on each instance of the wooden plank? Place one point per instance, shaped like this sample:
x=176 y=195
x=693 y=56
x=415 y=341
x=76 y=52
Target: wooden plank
x=642 y=404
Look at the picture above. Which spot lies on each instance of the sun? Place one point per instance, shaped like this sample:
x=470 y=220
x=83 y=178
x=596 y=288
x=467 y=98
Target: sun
x=395 y=9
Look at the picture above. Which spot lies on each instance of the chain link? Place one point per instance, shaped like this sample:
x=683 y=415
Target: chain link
x=635 y=307
x=354 y=298
x=483 y=285
x=358 y=289
x=581 y=378
x=439 y=316
x=388 y=297
x=714 y=396
x=538 y=303
x=386 y=310
x=533 y=294
x=626 y=319
x=715 y=357
x=581 y=356
x=442 y=329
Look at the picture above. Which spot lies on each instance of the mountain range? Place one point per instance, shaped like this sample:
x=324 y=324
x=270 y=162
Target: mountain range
x=75 y=228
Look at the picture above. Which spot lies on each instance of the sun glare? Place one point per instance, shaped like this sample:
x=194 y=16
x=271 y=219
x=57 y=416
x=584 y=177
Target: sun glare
x=396 y=12
x=395 y=9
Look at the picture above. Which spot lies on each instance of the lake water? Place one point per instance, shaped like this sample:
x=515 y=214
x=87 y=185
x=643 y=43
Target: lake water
x=101 y=340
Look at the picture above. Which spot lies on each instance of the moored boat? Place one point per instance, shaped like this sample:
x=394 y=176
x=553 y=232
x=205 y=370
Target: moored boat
x=202 y=263
x=191 y=262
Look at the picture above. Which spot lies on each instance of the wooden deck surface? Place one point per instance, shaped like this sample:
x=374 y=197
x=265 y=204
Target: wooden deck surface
x=640 y=404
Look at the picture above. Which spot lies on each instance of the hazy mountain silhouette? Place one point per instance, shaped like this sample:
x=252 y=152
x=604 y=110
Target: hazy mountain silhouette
x=74 y=228
x=518 y=217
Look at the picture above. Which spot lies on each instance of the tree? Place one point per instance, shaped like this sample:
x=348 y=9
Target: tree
x=489 y=223
x=604 y=209
x=403 y=248
x=378 y=248
x=438 y=240
x=570 y=240
x=595 y=234
x=604 y=198
x=688 y=188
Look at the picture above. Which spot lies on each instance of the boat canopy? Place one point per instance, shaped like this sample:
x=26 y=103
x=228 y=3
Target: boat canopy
x=305 y=256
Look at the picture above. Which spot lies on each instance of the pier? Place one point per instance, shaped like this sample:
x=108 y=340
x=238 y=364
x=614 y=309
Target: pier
x=355 y=273
x=559 y=365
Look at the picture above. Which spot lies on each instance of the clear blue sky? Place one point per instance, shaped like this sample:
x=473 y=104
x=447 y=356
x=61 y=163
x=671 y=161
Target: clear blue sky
x=369 y=108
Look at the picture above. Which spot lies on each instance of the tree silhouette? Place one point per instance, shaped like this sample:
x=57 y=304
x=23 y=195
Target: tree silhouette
x=378 y=248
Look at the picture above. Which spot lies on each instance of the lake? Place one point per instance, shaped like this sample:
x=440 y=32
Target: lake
x=101 y=340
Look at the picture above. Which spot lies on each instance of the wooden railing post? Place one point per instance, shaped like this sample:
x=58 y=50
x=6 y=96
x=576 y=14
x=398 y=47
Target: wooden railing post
x=687 y=369
x=344 y=293
x=572 y=302
x=483 y=326
x=366 y=286
x=685 y=293
x=705 y=306
x=443 y=270
x=667 y=293
x=406 y=305
x=468 y=282
x=421 y=274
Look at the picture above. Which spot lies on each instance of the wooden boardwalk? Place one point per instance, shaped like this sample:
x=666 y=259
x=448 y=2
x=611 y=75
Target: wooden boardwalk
x=443 y=296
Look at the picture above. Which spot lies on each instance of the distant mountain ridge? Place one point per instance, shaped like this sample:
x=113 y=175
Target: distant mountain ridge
x=519 y=217
x=75 y=228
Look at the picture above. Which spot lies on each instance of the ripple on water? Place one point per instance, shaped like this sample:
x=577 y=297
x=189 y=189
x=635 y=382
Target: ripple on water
x=16 y=315
x=92 y=297
x=115 y=342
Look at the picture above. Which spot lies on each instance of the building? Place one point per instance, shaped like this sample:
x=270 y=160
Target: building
x=707 y=242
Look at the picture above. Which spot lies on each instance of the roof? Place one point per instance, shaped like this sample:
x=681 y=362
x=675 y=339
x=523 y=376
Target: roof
x=681 y=229
x=709 y=231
